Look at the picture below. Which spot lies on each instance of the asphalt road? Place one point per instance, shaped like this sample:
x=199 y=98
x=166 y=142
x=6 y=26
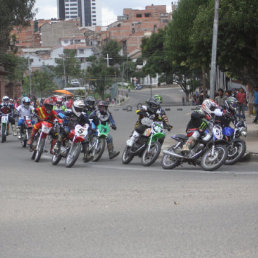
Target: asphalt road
x=107 y=209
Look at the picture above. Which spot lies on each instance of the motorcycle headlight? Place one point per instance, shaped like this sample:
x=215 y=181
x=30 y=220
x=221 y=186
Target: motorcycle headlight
x=244 y=132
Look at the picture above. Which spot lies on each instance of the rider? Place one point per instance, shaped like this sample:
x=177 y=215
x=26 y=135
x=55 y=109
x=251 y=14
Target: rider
x=59 y=107
x=45 y=112
x=199 y=122
x=72 y=118
x=153 y=111
x=7 y=108
x=25 y=109
x=89 y=105
x=103 y=115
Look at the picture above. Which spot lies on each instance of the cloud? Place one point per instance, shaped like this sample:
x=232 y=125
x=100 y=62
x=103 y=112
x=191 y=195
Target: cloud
x=108 y=16
x=47 y=9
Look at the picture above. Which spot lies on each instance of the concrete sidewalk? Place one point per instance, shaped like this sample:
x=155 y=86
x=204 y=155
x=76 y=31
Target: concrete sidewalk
x=251 y=139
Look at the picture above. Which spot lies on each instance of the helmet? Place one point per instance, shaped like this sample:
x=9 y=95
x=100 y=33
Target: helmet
x=77 y=107
x=59 y=100
x=153 y=105
x=48 y=104
x=103 y=106
x=231 y=104
x=90 y=102
x=208 y=106
x=5 y=99
x=158 y=98
x=26 y=101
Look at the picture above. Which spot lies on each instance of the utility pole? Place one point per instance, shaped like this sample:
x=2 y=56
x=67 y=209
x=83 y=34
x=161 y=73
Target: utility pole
x=108 y=58
x=29 y=75
x=214 y=50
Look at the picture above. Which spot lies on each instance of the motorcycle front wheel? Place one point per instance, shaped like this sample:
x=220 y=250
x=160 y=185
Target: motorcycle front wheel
x=3 y=129
x=149 y=157
x=40 y=149
x=212 y=161
x=127 y=156
x=73 y=154
x=99 y=149
x=169 y=161
x=235 y=152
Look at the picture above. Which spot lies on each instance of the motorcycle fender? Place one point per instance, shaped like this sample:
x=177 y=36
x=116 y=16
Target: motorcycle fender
x=79 y=139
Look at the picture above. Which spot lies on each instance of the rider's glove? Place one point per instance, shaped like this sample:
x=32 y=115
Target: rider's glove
x=113 y=127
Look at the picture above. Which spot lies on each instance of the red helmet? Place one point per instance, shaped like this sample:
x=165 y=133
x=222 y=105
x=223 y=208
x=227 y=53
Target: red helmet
x=48 y=104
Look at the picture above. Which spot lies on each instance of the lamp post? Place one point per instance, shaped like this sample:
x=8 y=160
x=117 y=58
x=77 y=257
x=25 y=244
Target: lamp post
x=65 y=83
x=214 y=50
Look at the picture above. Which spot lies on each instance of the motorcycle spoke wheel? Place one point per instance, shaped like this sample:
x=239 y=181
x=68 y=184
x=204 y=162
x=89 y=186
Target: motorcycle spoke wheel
x=149 y=157
x=211 y=161
x=239 y=151
x=127 y=156
x=73 y=155
x=169 y=161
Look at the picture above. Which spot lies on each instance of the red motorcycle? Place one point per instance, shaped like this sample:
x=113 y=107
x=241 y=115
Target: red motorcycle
x=40 y=138
x=26 y=129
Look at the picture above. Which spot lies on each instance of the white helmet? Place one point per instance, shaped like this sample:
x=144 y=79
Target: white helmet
x=208 y=106
x=5 y=100
x=78 y=106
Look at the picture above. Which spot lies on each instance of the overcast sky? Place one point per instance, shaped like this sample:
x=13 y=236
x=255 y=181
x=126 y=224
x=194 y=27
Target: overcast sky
x=110 y=8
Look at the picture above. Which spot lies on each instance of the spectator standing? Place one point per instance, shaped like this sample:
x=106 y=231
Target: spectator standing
x=256 y=103
x=250 y=97
x=220 y=99
x=228 y=94
x=241 y=97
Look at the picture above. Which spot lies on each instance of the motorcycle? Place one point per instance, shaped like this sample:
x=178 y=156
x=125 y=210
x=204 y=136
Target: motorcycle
x=237 y=146
x=77 y=137
x=148 y=146
x=40 y=139
x=4 y=126
x=98 y=142
x=210 y=152
x=26 y=129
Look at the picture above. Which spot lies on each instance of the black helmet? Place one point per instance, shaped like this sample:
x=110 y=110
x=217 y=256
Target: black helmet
x=90 y=102
x=231 y=104
x=153 y=105
x=102 y=106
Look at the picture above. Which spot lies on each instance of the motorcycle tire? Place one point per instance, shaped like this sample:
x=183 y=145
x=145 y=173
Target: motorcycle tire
x=145 y=154
x=73 y=155
x=169 y=161
x=237 y=153
x=98 y=151
x=3 y=129
x=33 y=155
x=126 y=156
x=55 y=159
x=217 y=161
x=40 y=149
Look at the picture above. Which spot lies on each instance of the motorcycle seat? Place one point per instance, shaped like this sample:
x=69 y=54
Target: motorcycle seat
x=179 y=137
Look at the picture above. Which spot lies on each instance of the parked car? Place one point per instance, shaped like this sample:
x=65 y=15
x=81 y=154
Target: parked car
x=138 y=87
x=75 y=82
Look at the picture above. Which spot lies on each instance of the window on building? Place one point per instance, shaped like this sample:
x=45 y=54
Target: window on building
x=77 y=41
x=138 y=15
x=133 y=30
x=94 y=23
x=93 y=15
x=81 y=51
x=93 y=3
x=93 y=11
x=93 y=7
x=147 y=14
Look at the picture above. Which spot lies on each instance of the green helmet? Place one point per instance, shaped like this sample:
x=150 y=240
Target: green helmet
x=158 y=98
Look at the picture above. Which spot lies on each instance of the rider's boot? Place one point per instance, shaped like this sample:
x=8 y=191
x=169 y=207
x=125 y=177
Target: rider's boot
x=32 y=135
x=111 y=152
x=188 y=145
x=19 y=132
x=14 y=130
x=53 y=143
x=133 y=139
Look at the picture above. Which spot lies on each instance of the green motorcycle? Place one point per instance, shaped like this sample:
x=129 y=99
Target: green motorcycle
x=148 y=146
x=98 y=143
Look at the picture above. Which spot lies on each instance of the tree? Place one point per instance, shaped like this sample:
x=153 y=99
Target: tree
x=42 y=83
x=13 y=13
x=69 y=65
x=112 y=49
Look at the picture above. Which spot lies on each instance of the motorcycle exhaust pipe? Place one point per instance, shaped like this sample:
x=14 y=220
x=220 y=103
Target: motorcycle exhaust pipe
x=172 y=153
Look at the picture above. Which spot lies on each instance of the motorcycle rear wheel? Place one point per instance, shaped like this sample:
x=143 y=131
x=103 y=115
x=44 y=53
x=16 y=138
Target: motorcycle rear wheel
x=156 y=147
x=238 y=151
x=210 y=163
x=73 y=155
x=39 y=151
x=98 y=150
x=169 y=161
x=127 y=156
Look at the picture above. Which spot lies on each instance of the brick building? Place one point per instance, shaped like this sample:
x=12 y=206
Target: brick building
x=136 y=24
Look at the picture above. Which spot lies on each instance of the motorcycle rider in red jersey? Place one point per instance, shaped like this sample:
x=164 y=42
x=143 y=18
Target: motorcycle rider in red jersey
x=45 y=112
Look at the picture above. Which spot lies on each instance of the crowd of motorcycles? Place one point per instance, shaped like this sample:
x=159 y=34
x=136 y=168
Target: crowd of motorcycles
x=216 y=146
